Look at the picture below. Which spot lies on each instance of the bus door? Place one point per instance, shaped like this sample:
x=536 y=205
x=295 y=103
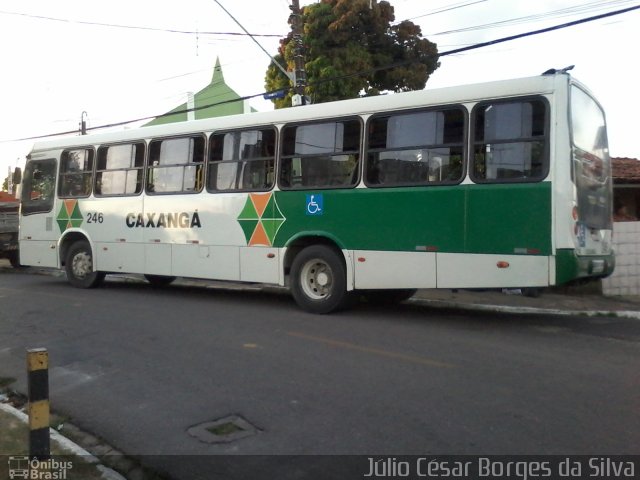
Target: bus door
x=38 y=232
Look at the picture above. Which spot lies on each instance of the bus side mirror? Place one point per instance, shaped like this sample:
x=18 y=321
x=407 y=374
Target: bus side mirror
x=17 y=176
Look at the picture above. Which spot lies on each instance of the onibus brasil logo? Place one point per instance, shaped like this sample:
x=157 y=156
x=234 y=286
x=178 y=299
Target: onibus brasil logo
x=35 y=469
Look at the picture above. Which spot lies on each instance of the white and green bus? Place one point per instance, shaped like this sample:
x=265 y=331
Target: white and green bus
x=493 y=185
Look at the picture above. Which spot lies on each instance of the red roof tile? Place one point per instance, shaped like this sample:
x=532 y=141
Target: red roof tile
x=5 y=197
x=625 y=170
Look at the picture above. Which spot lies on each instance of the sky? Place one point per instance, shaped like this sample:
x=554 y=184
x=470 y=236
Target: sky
x=62 y=58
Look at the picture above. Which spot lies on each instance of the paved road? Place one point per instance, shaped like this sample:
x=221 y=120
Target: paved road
x=139 y=366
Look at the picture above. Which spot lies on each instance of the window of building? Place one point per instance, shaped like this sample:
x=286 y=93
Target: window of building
x=76 y=170
x=510 y=141
x=176 y=165
x=242 y=160
x=119 y=169
x=320 y=155
x=416 y=148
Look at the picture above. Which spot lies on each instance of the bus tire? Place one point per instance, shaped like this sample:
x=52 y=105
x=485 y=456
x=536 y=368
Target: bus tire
x=159 y=280
x=14 y=259
x=319 y=280
x=531 y=292
x=79 y=266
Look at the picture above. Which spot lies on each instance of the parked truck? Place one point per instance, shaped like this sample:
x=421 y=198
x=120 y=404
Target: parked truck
x=9 y=232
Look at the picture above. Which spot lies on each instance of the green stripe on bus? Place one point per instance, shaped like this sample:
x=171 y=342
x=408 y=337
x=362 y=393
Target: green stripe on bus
x=501 y=219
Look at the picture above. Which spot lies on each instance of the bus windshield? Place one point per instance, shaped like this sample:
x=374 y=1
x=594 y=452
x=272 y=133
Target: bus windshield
x=591 y=162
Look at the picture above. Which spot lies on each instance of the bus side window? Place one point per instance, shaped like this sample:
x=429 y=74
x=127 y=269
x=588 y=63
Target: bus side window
x=175 y=165
x=510 y=141
x=242 y=160
x=119 y=169
x=416 y=148
x=321 y=155
x=76 y=172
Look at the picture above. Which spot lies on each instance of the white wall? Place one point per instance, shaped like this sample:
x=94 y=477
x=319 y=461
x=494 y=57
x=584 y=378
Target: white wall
x=626 y=277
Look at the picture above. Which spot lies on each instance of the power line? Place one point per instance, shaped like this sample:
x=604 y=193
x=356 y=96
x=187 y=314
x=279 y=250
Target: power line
x=542 y=30
x=192 y=32
x=333 y=79
x=563 y=12
x=273 y=60
x=446 y=9
x=134 y=27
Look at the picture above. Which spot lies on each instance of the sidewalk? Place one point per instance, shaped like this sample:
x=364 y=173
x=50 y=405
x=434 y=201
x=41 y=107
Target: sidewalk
x=68 y=461
x=550 y=302
x=75 y=455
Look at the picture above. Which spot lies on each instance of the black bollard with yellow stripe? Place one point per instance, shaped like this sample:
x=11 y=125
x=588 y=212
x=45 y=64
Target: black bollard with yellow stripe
x=38 y=368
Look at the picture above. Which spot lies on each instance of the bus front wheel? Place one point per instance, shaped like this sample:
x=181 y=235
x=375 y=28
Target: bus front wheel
x=319 y=280
x=79 y=266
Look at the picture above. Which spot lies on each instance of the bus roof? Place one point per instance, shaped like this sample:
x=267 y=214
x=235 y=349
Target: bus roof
x=361 y=106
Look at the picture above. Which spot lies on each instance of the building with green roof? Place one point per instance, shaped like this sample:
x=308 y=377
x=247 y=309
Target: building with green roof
x=215 y=100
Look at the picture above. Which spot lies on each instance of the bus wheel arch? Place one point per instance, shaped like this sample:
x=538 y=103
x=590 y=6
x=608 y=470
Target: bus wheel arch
x=297 y=244
x=67 y=241
x=79 y=261
x=317 y=274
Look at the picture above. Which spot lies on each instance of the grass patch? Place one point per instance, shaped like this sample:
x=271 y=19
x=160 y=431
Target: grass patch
x=224 y=429
x=6 y=381
x=14 y=441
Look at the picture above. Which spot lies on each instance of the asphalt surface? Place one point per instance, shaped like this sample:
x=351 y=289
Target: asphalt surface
x=140 y=366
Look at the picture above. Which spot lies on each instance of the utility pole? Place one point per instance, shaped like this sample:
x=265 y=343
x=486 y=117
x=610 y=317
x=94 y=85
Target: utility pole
x=83 y=123
x=300 y=76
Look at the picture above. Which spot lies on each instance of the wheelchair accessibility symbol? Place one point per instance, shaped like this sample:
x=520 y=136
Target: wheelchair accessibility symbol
x=314 y=204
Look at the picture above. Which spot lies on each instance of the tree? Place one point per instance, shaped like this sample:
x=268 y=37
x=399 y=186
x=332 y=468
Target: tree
x=5 y=185
x=352 y=49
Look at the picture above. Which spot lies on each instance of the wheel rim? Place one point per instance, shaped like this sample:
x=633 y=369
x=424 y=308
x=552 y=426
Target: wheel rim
x=316 y=279
x=81 y=266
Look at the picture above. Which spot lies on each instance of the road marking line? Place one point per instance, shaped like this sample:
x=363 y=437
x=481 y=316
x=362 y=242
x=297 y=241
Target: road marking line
x=375 y=351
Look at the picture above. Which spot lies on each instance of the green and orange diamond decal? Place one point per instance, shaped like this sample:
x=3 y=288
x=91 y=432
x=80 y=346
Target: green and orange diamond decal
x=69 y=215
x=261 y=219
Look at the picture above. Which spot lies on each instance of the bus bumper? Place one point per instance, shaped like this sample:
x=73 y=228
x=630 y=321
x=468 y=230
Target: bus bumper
x=570 y=267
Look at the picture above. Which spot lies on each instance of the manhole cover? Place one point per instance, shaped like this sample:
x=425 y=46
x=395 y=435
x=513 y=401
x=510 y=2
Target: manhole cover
x=224 y=430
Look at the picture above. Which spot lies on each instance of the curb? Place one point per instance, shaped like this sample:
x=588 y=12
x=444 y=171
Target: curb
x=525 y=310
x=106 y=472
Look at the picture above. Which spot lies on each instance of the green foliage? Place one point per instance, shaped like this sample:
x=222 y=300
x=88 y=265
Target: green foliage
x=347 y=45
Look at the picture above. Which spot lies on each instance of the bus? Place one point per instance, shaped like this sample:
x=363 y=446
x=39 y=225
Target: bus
x=505 y=184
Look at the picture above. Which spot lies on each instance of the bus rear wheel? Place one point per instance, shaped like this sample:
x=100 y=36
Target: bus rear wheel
x=14 y=259
x=388 y=297
x=319 y=280
x=79 y=266
x=159 y=280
